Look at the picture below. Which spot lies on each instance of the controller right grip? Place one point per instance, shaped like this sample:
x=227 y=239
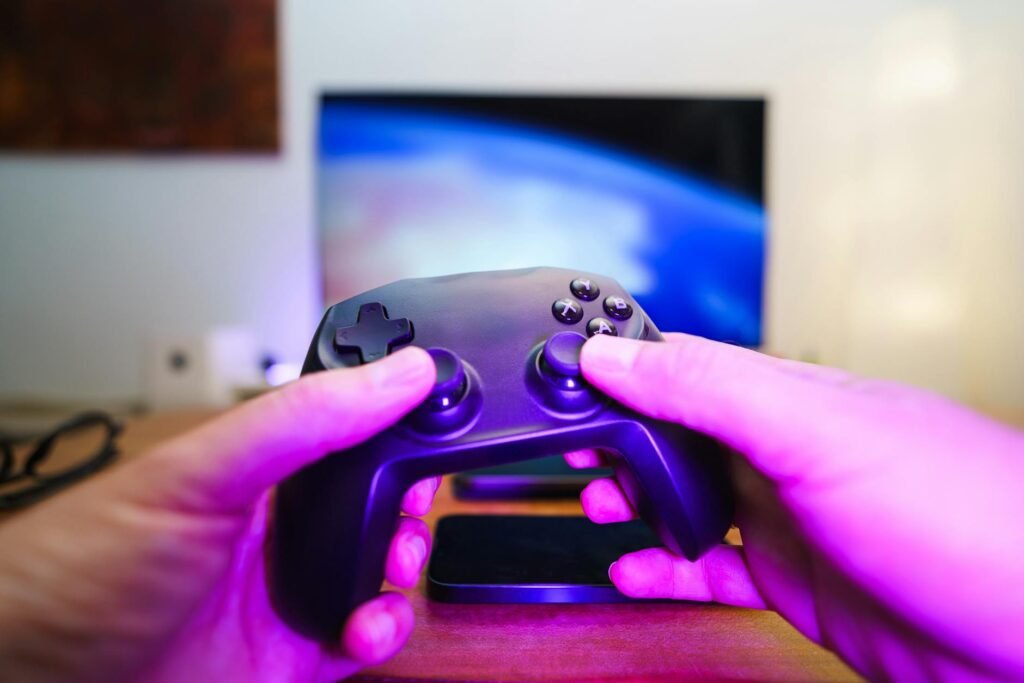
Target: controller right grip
x=678 y=482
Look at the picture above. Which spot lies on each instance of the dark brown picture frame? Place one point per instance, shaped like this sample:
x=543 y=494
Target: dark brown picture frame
x=125 y=75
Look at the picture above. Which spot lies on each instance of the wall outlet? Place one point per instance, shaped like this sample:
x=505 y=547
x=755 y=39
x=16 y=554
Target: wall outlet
x=200 y=371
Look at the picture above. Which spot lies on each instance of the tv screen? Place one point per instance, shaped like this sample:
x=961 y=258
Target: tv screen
x=665 y=194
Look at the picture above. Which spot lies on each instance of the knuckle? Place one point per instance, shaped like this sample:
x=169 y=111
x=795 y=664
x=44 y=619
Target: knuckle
x=683 y=367
x=691 y=365
x=302 y=395
x=330 y=391
x=710 y=588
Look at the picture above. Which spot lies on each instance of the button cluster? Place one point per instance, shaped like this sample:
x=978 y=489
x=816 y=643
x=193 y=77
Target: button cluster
x=569 y=310
x=601 y=326
x=584 y=289
x=618 y=308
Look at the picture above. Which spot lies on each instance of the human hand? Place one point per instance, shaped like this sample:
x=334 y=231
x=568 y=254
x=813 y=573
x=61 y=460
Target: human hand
x=882 y=521
x=155 y=570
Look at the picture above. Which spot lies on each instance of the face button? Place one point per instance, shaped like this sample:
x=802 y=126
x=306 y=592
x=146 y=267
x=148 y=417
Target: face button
x=584 y=289
x=567 y=311
x=617 y=307
x=374 y=335
x=601 y=326
x=560 y=358
x=450 y=385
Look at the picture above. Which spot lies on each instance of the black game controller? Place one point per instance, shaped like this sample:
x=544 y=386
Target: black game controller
x=506 y=345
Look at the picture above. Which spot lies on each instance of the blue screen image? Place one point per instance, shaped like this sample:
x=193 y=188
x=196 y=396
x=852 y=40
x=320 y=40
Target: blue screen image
x=406 y=192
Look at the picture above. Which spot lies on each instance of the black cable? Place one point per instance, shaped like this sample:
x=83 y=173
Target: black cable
x=43 y=485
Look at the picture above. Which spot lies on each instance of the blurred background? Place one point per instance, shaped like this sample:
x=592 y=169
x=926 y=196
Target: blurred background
x=185 y=186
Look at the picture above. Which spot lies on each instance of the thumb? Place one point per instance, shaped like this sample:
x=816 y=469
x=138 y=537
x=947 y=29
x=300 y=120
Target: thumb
x=229 y=462
x=780 y=414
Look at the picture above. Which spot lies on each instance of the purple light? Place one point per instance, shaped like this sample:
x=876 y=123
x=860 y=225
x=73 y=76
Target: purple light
x=281 y=373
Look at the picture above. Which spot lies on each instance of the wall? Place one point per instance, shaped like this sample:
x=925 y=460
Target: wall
x=895 y=176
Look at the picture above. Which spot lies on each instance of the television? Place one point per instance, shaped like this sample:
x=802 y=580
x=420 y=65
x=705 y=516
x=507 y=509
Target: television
x=665 y=194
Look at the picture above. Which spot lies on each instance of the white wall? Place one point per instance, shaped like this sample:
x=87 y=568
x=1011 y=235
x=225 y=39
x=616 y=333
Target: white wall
x=896 y=177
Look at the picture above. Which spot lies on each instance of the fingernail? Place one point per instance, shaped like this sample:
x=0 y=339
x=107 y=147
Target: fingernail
x=406 y=368
x=418 y=548
x=381 y=629
x=609 y=354
x=611 y=569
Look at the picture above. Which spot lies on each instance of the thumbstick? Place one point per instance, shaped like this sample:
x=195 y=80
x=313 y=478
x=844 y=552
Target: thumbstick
x=453 y=403
x=450 y=385
x=561 y=359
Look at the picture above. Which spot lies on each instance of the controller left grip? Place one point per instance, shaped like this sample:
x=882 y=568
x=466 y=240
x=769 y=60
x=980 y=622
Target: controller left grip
x=332 y=524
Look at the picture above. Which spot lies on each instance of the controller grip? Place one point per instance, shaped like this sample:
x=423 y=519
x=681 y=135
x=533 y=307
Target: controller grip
x=332 y=526
x=678 y=482
x=333 y=521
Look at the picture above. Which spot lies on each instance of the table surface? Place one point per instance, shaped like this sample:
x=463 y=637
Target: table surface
x=596 y=642
x=612 y=642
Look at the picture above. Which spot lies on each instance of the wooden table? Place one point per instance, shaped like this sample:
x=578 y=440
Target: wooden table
x=616 y=642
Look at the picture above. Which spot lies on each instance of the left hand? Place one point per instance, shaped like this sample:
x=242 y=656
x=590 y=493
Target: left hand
x=155 y=570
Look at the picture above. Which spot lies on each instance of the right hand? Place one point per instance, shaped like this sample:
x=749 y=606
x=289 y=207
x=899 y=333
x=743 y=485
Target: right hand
x=882 y=521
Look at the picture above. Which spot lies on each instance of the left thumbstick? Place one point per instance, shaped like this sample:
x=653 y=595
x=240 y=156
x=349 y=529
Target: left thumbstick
x=450 y=385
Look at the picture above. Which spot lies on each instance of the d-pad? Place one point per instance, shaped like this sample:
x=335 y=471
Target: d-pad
x=373 y=335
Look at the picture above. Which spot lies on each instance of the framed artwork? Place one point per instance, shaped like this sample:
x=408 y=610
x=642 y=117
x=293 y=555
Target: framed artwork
x=130 y=76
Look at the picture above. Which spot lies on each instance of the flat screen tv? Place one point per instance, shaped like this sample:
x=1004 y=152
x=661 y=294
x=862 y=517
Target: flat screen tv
x=665 y=194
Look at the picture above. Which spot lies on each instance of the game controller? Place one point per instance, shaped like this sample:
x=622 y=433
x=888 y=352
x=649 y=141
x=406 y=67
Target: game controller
x=507 y=349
